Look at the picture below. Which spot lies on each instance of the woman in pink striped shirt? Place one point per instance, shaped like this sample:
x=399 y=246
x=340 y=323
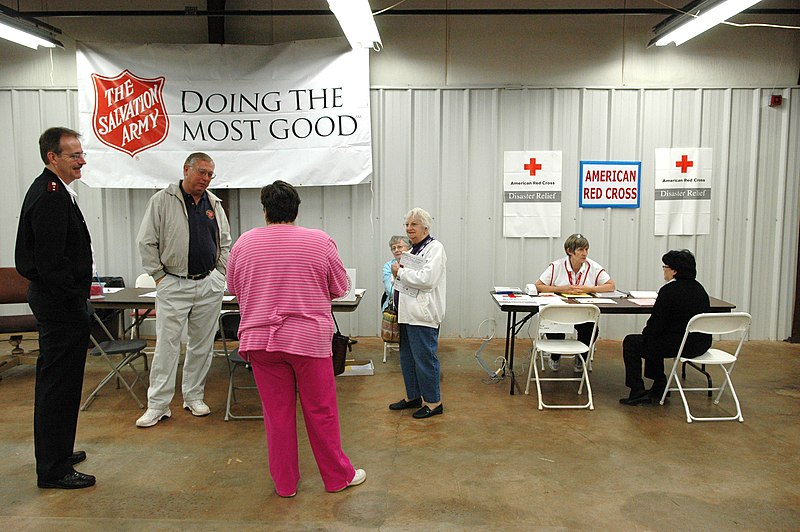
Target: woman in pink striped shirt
x=285 y=277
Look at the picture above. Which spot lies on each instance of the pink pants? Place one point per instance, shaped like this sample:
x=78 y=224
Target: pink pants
x=279 y=376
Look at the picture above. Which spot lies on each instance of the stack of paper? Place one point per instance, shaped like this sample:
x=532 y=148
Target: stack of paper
x=644 y=294
x=615 y=294
x=507 y=290
x=358 y=367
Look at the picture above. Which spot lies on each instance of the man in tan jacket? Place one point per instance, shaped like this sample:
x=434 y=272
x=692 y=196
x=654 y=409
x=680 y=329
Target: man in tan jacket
x=184 y=241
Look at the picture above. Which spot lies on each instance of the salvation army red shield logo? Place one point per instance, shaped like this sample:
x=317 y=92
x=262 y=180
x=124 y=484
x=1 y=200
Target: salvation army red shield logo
x=129 y=112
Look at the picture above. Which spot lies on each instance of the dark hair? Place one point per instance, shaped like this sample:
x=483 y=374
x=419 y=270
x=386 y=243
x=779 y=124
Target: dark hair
x=50 y=141
x=280 y=201
x=682 y=262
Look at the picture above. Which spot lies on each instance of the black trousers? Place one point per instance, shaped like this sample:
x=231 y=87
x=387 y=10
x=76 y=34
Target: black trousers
x=633 y=354
x=63 y=337
x=584 y=331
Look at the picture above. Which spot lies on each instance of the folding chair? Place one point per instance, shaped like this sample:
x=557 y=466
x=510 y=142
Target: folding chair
x=128 y=349
x=229 y=331
x=565 y=314
x=711 y=323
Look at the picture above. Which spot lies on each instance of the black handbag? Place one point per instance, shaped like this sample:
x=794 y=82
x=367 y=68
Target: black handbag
x=340 y=344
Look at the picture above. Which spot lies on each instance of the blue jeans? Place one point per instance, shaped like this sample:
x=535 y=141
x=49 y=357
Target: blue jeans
x=419 y=363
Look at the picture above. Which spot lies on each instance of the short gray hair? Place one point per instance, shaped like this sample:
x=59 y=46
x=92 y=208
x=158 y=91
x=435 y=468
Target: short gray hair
x=197 y=156
x=399 y=238
x=420 y=215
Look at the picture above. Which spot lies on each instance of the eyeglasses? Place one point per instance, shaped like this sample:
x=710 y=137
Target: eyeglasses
x=205 y=173
x=665 y=267
x=75 y=156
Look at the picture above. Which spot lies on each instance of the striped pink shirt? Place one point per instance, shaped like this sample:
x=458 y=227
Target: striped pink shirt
x=284 y=277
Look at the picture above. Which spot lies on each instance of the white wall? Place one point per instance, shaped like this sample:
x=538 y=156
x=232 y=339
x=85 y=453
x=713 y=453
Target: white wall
x=450 y=95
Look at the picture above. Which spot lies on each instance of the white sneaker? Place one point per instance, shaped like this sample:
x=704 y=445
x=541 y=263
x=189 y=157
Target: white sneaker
x=152 y=416
x=578 y=364
x=359 y=478
x=554 y=363
x=197 y=408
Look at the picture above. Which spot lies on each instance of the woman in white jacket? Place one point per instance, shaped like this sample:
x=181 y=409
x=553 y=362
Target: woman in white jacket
x=419 y=293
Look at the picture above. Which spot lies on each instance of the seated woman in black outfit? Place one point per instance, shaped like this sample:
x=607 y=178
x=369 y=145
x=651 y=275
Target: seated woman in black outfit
x=678 y=301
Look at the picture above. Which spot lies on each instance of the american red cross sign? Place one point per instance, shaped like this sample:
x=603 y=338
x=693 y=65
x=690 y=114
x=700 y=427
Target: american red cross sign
x=532 y=166
x=684 y=164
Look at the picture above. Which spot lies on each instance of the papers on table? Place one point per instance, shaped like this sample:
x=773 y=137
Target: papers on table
x=643 y=302
x=580 y=294
x=228 y=297
x=111 y=290
x=514 y=299
x=149 y=294
x=525 y=300
x=597 y=301
x=507 y=290
x=546 y=300
x=644 y=294
x=615 y=294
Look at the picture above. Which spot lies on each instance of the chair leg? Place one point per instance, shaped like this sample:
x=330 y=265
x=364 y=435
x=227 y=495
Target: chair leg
x=230 y=394
x=15 y=340
x=115 y=372
x=385 y=348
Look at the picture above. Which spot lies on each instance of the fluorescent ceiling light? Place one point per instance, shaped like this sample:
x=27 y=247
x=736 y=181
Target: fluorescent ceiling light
x=27 y=32
x=699 y=18
x=358 y=25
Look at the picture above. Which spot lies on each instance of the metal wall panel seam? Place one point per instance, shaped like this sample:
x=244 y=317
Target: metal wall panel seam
x=784 y=296
x=751 y=206
x=722 y=206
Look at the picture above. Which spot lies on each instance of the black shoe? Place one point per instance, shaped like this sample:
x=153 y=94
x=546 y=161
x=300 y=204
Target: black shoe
x=424 y=412
x=70 y=481
x=77 y=457
x=638 y=397
x=402 y=404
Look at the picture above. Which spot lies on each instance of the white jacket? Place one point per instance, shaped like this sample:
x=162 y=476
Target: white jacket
x=164 y=234
x=427 y=308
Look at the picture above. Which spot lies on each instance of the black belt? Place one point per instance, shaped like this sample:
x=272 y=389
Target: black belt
x=191 y=276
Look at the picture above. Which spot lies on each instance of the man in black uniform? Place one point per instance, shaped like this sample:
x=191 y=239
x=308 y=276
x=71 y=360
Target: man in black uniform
x=54 y=252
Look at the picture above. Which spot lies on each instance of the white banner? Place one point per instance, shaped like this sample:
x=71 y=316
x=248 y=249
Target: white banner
x=297 y=112
x=531 y=193
x=683 y=191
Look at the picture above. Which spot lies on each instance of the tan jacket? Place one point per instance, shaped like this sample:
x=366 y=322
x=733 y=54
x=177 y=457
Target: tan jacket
x=164 y=234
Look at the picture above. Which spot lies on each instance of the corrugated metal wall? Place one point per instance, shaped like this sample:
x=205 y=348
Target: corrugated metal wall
x=441 y=149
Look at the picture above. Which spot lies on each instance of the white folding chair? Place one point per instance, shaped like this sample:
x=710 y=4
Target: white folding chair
x=711 y=323
x=389 y=346
x=144 y=317
x=564 y=314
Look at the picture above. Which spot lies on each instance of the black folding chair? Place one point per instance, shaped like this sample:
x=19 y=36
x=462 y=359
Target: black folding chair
x=128 y=350
x=229 y=331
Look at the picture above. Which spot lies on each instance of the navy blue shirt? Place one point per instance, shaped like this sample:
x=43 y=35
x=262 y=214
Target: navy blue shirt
x=202 y=233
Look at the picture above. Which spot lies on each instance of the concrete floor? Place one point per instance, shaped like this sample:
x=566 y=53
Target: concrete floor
x=491 y=462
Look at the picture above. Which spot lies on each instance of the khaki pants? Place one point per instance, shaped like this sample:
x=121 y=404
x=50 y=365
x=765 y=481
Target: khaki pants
x=178 y=302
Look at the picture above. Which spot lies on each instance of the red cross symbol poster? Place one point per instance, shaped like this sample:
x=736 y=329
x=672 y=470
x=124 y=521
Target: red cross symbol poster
x=683 y=191
x=531 y=193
